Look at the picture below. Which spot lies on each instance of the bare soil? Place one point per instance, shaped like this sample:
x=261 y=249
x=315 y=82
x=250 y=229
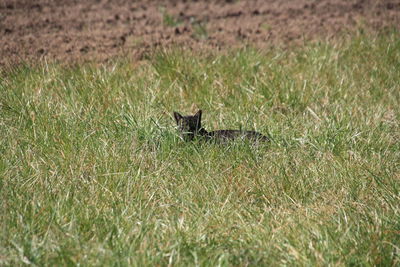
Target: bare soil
x=75 y=31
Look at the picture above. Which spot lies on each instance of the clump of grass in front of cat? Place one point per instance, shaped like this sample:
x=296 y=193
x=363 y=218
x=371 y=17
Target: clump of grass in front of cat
x=190 y=128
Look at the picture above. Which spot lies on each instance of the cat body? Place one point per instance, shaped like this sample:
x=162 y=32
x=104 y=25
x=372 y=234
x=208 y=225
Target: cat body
x=190 y=127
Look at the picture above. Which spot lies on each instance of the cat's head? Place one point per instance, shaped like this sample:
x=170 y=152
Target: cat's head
x=188 y=125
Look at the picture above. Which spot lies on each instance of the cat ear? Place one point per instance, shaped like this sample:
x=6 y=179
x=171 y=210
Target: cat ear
x=198 y=114
x=177 y=116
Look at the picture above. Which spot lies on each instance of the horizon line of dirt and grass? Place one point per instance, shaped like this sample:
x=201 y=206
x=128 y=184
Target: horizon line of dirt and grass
x=93 y=172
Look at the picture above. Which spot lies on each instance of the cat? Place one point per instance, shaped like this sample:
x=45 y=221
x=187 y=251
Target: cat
x=190 y=128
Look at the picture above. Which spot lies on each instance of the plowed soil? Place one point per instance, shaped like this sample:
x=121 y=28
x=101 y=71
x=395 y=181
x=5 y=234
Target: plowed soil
x=75 y=31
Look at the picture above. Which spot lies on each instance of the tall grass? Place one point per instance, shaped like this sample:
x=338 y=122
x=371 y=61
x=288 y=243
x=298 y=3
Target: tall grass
x=92 y=171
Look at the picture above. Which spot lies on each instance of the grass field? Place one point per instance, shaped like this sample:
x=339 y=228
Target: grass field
x=92 y=170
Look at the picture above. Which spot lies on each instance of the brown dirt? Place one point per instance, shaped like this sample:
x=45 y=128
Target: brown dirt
x=74 y=31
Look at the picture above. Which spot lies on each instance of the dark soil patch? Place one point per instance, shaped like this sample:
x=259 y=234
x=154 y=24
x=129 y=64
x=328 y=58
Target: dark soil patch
x=74 y=31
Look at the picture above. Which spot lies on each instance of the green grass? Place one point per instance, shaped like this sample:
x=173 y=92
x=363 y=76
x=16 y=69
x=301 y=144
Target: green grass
x=168 y=19
x=92 y=171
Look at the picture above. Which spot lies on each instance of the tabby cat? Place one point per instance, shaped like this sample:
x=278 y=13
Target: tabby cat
x=190 y=128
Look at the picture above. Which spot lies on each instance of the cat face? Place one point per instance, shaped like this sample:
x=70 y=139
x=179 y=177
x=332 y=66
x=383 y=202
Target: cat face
x=188 y=125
